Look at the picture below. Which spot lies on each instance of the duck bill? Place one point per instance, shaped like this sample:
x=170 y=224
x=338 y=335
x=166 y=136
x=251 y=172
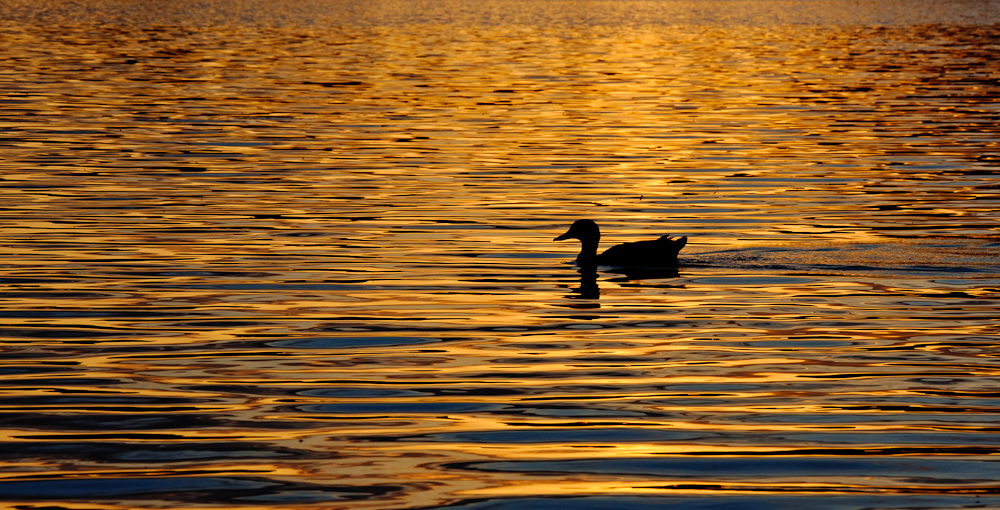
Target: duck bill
x=563 y=237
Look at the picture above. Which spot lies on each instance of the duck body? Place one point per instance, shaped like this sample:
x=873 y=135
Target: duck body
x=660 y=252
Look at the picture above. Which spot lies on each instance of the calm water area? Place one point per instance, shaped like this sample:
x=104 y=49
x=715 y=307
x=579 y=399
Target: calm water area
x=259 y=254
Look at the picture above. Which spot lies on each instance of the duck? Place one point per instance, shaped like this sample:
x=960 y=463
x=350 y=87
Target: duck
x=660 y=252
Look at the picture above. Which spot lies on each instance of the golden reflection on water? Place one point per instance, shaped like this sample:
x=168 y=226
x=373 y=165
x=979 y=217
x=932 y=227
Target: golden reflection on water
x=301 y=256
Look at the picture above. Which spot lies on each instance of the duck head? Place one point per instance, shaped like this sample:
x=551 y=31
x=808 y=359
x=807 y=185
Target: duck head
x=589 y=235
x=584 y=230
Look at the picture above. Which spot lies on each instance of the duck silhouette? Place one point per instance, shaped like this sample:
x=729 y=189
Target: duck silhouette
x=661 y=252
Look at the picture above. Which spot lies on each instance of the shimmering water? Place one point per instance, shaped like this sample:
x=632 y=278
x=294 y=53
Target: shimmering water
x=299 y=254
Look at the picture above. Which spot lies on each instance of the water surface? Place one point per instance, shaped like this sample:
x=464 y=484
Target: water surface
x=259 y=255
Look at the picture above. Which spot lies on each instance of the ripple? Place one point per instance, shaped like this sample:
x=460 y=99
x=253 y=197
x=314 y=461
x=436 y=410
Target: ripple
x=770 y=502
x=930 y=470
x=120 y=487
x=350 y=342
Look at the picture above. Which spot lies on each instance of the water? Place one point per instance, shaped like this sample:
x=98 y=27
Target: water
x=299 y=254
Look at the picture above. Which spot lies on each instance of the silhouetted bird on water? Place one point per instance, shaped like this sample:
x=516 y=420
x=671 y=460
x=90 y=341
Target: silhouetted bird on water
x=659 y=253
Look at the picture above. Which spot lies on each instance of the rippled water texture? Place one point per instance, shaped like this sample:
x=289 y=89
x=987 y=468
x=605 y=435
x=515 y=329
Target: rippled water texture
x=299 y=254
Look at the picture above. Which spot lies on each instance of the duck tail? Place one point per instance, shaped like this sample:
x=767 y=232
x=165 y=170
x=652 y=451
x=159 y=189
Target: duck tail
x=680 y=240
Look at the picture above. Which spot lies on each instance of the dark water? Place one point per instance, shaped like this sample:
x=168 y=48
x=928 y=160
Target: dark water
x=299 y=254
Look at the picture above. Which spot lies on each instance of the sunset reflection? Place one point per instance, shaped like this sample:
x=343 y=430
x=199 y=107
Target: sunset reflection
x=259 y=255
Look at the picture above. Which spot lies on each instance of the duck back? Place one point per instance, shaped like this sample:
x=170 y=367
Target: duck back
x=661 y=252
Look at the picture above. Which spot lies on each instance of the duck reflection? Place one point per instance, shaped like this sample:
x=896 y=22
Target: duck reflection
x=627 y=276
x=643 y=273
x=588 y=288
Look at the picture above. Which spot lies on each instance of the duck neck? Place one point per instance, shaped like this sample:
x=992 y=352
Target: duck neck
x=588 y=252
